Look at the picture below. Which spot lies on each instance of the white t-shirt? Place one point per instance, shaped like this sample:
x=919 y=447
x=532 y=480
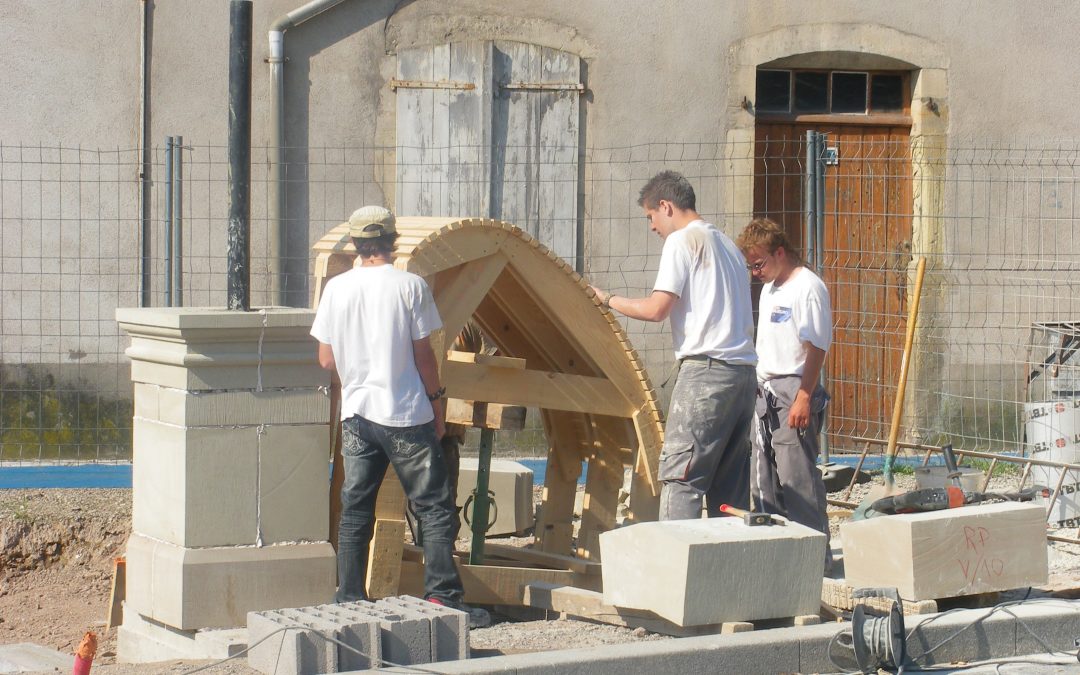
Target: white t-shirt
x=713 y=315
x=370 y=316
x=789 y=315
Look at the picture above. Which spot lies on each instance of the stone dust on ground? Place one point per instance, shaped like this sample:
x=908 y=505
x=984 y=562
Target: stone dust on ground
x=56 y=555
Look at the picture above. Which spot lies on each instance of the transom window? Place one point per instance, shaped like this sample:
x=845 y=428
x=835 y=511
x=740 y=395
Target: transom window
x=830 y=91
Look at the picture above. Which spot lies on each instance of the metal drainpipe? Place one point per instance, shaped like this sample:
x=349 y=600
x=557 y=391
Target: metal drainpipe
x=277 y=125
x=144 y=158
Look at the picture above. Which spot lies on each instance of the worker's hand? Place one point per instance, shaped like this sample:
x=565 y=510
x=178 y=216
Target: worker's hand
x=440 y=427
x=799 y=415
x=600 y=295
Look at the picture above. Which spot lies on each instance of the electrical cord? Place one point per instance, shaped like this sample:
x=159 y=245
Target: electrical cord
x=324 y=636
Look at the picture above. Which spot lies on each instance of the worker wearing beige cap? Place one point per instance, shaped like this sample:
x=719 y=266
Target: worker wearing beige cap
x=373 y=326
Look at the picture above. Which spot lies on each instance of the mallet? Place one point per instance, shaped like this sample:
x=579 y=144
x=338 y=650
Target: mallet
x=749 y=517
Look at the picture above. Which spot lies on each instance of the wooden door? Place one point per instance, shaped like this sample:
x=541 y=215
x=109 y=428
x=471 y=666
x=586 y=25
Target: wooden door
x=868 y=215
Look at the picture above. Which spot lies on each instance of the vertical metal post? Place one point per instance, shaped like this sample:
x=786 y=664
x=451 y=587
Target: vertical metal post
x=481 y=505
x=810 y=198
x=178 y=224
x=168 y=219
x=239 y=269
x=819 y=260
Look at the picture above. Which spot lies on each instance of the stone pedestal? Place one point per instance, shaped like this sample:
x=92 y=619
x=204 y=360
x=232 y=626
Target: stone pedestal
x=512 y=484
x=231 y=471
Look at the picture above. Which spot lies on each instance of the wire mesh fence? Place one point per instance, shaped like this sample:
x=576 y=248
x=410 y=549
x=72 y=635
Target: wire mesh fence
x=998 y=226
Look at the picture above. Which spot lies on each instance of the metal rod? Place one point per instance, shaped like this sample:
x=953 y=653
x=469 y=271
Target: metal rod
x=239 y=269
x=146 y=252
x=168 y=219
x=819 y=258
x=480 y=498
x=178 y=224
x=809 y=197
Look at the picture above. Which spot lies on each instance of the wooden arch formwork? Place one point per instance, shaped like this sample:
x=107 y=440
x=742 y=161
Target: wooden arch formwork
x=559 y=351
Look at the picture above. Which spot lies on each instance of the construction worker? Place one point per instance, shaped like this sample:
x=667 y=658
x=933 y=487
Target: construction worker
x=373 y=326
x=703 y=288
x=793 y=335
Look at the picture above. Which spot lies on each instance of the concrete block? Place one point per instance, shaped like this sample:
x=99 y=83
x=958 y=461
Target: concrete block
x=715 y=570
x=965 y=551
x=189 y=588
x=286 y=643
x=24 y=657
x=293 y=469
x=512 y=483
x=195 y=486
x=1046 y=623
x=406 y=636
x=233 y=408
x=983 y=637
x=359 y=630
x=141 y=639
x=449 y=627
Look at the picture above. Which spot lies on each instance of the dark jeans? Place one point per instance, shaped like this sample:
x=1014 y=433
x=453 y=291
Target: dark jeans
x=367 y=450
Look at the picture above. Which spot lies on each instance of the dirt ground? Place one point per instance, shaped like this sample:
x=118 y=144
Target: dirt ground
x=56 y=553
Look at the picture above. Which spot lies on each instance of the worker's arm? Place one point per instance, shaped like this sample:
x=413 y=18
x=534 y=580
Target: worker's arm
x=654 y=307
x=799 y=416
x=426 y=363
x=326 y=360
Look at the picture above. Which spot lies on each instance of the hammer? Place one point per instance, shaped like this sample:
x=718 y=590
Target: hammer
x=749 y=517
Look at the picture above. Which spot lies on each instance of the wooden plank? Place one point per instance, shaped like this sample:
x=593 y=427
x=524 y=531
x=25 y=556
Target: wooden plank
x=650 y=443
x=603 y=481
x=589 y=604
x=391 y=502
x=458 y=299
x=384 y=558
x=555 y=391
x=557 y=154
x=454 y=248
x=543 y=558
x=554 y=531
x=485 y=415
x=490 y=360
x=117 y=593
x=415 y=133
x=490 y=585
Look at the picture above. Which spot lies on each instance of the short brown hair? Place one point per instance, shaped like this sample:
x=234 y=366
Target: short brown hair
x=381 y=245
x=767 y=234
x=669 y=186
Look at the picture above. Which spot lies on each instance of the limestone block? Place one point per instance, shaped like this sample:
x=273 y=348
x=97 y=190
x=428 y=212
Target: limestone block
x=141 y=639
x=965 y=551
x=216 y=587
x=294 y=483
x=449 y=627
x=195 y=486
x=716 y=570
x=232 y=408
x=512 y=484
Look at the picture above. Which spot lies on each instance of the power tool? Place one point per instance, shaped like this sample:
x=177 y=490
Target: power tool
x=940 y=498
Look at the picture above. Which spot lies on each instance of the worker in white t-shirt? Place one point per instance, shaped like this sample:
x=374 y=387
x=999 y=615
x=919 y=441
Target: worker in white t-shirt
x=703 y=288
x=373 y=325
x=793 y=335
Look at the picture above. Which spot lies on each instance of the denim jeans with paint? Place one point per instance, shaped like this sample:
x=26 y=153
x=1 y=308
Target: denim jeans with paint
x=367 y=450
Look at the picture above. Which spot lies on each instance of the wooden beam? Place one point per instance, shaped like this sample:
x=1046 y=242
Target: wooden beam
x=553 y=391
x=603 y=481
x=458 y=299
x=533 y=556
x=384 y=558
x=486 y=360
x=489 y=585
x=589 y=604
x=457 y=247
x=565 y=434
x=485 y=415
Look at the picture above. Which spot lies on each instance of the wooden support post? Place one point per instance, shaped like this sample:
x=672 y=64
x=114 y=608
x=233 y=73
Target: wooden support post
x=603 y=480
x=554 y=529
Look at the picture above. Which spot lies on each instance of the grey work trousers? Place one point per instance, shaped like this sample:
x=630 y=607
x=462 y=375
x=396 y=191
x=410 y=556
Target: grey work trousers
x=787 y=481
x=706 y=452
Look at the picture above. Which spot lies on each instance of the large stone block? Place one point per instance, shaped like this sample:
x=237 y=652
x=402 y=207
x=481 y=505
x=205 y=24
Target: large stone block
x=973 y=549
x=294 y=483
x=697 y=572
x=512 y=483
x=195 y=486
x=216 y=587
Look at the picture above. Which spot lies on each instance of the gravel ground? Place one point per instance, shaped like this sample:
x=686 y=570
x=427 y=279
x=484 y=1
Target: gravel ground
x=57 y=547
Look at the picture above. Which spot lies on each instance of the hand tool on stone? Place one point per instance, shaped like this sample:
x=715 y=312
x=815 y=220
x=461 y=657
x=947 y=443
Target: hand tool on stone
x=940 y=498
x=889 y=488
x=749 y=517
